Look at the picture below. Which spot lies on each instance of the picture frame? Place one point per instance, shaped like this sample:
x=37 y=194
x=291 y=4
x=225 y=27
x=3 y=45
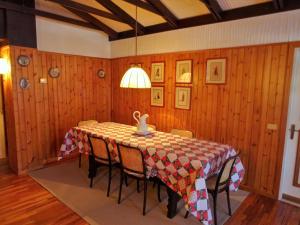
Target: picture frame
x=158 y=72
x=183 y=97
x=216 y=71
x=157 y=96
x=184 y=71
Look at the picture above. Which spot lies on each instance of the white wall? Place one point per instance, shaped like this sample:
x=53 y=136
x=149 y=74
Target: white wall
x=280 y=27
x=55 y=36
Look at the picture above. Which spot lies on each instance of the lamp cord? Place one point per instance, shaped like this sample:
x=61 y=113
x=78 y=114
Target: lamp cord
x=136 y=8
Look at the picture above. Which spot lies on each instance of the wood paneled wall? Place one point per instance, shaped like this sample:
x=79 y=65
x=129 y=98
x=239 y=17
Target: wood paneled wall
x=236 y=113
x=43 y=113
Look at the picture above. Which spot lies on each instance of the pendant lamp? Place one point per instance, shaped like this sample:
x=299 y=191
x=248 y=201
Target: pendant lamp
x=135 y=77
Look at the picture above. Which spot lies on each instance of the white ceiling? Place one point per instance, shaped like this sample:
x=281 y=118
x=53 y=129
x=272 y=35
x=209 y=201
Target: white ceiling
x=180 y=8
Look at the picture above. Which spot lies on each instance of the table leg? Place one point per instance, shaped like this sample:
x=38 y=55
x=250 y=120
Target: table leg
x=173 y=198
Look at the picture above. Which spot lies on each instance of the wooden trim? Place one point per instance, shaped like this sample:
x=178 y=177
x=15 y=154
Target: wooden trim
x=27 y=10
x=87 y=9
x=165 y=12
x=124 y=16
x=297 y=165
x=291 y=198
x=229 y=15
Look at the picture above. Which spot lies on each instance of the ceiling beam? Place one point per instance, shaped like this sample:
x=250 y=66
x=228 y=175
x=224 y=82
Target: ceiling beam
x=91 y=19
x=214 y=8
x=27 y=10
x=229 y=15
x=278 y=4
x=87 y=9
x=165 y=12
x=126 y=18
x=143 y=5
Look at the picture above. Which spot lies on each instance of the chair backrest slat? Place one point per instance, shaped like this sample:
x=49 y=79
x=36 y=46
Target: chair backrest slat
x=86 y=122
x=225 y=172
x=131 y=159
x=99 y=148
x=182 y=133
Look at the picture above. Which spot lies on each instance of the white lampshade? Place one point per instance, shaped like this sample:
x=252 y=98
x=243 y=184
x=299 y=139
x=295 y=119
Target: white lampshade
x=135 y=77
x=4 y=67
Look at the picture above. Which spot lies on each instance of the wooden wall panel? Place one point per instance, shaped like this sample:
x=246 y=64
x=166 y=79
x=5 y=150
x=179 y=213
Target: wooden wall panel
x=43 y=113
x=236 y=113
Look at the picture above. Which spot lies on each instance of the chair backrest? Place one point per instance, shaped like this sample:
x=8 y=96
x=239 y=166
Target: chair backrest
x=86 y=122
x=152 y=126
x=182 y=133
x=131 y=159
x=99 y=148
x=225 y=173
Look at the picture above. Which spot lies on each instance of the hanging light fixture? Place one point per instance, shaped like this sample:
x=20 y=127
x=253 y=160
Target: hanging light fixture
x=4 y=67
x=135 y=77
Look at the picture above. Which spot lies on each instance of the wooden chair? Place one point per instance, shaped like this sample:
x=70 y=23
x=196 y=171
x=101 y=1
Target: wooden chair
x=182 y=133
x=84 y=123
x=132 y=165
x=101 y=156
x=220 y=183
x=152 y=126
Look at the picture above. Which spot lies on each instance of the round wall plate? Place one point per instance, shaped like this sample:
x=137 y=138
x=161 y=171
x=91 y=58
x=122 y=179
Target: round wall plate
x=24 y=83
x=101 y=73
x=54 y=72
x=23 y=60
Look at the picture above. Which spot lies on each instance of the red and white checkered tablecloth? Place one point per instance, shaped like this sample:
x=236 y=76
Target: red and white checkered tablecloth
x=181 y=163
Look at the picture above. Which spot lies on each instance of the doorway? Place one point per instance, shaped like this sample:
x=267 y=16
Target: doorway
x=290 y=181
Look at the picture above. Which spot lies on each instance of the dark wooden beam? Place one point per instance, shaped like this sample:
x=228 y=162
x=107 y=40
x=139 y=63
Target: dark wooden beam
x=91 y=19
x=165 y=12
x=27 y=10
x=144 y=5
x=214 y=8
x=278 y=4
x=126 y=18
x=87 y=9
x=229 y=15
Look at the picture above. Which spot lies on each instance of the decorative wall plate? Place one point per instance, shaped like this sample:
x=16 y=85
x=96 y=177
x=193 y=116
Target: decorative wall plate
x=23 y=60
x=101 y=73
x=54 y=72
x=24 y=83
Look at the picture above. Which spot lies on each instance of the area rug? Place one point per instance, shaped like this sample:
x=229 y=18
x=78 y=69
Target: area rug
x=70 y=185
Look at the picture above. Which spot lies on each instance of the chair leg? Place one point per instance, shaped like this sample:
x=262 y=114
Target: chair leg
x=109 y=180
x=138 y=186
x=79 y=160
x=158 y=191
x=228 y=202
x=91 y=182
x=126 y=181
x=145 y=197
x=120 y=190
x=94 y=169
x=186 y=214
x=215 y=209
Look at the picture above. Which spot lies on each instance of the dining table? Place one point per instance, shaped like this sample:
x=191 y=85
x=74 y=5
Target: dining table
x=182 y=164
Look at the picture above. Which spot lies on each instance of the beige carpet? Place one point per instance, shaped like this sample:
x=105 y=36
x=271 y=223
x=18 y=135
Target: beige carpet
x=71 y=185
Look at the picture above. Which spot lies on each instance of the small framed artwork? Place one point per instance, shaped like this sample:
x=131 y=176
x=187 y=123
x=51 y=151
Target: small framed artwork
x=216 y=71
x=157 y=72
x=184 y=71
x=183 y=97
x=157 y=96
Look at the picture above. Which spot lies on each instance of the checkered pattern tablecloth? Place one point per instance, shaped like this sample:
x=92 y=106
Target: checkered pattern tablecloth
x=181 y=163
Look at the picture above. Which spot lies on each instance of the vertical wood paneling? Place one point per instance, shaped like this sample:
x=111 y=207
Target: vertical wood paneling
x=40 y=116
x=236 y=113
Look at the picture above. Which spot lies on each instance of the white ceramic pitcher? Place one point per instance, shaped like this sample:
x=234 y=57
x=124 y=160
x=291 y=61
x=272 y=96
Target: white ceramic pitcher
x=141 y=121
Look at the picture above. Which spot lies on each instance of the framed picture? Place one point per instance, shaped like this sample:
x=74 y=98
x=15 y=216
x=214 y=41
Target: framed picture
x=184 y=71
x=183 y=97
x=216 y=71
x=157 y=72
x=157 y=96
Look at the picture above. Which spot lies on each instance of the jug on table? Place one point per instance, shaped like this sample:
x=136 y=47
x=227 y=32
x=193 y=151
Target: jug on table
x=141 y=121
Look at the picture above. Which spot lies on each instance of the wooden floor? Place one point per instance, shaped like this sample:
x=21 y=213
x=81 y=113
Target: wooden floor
x=23 y=201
